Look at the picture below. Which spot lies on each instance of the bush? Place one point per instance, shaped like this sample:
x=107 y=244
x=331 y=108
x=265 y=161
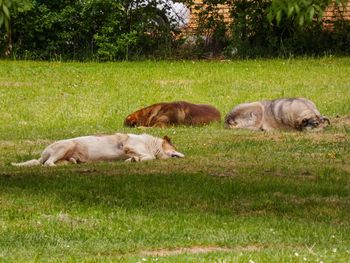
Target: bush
x=252 y=34
x=136 y=29
x=92 y=29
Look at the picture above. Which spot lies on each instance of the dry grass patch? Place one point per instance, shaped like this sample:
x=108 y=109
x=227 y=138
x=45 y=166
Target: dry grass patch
x=15 y=84
x=174 y=82
x=341 y=120
x=199 y=250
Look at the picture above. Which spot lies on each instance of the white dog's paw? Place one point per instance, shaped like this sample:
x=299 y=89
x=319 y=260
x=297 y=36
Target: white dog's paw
x=136 y=159
x=49 y=164
x=133 y=159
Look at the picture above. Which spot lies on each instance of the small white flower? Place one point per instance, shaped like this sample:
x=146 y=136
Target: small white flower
x=143 y=259
x=296 y=254
x=334 y=250
x=304 y=259
x=251 y=261
x=333 y=236
x=321 y=261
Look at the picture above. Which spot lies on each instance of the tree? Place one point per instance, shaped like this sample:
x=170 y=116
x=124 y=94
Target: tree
x=302 y=12
x=6 y=7
x=5 y=14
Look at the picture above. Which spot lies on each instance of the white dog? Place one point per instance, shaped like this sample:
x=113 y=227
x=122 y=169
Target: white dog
x=129 y=147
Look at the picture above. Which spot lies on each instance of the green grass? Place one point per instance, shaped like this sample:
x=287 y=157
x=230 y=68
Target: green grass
x=262 y=197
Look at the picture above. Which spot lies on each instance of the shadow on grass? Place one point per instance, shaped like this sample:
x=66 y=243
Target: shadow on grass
x=244 y=195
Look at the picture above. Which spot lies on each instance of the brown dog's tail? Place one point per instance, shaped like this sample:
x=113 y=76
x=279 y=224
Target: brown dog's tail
x=33 y=162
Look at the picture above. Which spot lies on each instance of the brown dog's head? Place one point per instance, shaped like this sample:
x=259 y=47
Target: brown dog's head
x=169 y=149
x=131 y=120
x=138 y=118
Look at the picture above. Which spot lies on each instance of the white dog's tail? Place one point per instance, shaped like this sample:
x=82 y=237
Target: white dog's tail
x=33 y=162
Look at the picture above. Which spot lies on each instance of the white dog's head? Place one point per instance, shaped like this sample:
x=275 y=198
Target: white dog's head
x=169 y=149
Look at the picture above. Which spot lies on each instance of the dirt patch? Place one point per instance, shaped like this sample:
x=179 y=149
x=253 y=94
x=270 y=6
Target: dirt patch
x=180 y=82
x=37 y=142
x=25 y=142
x=341 y=120
x=198 y=250
x=15 y=84
x=7 y=143
x=319 y=137
x=286 y=137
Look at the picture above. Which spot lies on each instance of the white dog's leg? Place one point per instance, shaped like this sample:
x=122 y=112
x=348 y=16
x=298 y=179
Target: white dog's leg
x=57 y=153
x=49 y=163
x=146 y=158
x=72 y=160
x=140 y=158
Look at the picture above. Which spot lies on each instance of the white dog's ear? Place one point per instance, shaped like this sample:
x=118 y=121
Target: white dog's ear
x=166 y=138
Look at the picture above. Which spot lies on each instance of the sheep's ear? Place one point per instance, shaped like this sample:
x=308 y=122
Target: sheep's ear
x=166 y=138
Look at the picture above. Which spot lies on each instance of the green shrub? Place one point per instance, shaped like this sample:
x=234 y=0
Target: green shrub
x=135 y=29
x=91 y=29
x=252 y=34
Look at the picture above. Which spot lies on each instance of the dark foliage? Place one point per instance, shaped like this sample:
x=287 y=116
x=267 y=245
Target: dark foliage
x=253 y=33
x=95 y=29
x=135 y=29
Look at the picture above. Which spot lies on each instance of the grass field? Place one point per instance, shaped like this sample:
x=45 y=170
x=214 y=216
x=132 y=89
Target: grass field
x=238 y=196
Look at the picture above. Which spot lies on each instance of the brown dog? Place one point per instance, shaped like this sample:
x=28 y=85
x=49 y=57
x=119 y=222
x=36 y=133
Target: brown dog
x=173 y=113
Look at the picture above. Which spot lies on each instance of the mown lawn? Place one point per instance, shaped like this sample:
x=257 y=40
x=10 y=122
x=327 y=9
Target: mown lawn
x=238 y=196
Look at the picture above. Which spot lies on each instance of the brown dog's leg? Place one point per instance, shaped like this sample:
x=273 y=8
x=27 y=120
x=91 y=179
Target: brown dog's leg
x=161 y=122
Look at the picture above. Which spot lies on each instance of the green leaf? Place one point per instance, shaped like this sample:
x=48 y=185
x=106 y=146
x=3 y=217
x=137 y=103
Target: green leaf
x=7 y=24
x=269 y=16
x=311 y=13
x=290 y=10
x=1 y=20
x=297 y=8
x=278 y=16
x=301 y=20
x=321 y=13
x=6 y=11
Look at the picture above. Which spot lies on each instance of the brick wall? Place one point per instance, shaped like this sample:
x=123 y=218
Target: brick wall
x=223 y=10
x=331 y=14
